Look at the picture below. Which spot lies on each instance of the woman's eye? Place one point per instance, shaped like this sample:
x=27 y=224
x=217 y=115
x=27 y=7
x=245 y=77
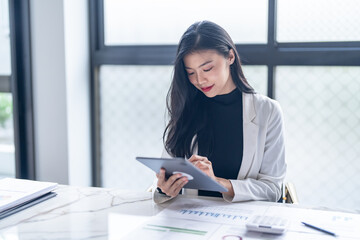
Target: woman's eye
x=207 y=70
x=189 y=74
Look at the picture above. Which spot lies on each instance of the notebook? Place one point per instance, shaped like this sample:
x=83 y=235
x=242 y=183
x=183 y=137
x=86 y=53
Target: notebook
x=18 y=194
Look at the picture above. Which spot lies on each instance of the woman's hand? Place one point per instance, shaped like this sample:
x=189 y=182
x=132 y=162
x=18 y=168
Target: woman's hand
x=205 y=165
x=172 y=185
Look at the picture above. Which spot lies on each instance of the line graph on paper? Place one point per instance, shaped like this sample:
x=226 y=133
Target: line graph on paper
x=212 y=211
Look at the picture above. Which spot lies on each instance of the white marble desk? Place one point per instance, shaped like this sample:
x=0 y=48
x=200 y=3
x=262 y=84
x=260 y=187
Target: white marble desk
x=79 y=213
x=75 y=213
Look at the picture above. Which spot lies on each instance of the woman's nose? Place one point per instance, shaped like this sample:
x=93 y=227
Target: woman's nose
x=201 y=79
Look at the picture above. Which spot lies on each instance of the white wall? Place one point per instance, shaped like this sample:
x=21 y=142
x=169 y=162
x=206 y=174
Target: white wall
x=60 y=65
x=78 y=90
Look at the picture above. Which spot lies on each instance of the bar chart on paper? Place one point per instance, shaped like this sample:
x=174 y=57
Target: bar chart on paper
x=212 y=211
x=188 y=218
x=214 y=215
x=197 y=219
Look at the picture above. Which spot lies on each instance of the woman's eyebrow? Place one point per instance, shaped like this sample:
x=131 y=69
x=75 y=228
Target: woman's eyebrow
x=201 y=64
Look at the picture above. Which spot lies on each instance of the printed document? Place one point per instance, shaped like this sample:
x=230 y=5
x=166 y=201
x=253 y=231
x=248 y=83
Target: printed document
x=188 y=218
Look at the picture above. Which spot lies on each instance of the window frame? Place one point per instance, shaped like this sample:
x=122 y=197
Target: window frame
x=21 y=88
x=271 y=54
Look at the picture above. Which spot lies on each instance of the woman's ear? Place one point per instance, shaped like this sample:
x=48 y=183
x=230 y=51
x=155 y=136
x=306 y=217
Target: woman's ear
x=231 y=57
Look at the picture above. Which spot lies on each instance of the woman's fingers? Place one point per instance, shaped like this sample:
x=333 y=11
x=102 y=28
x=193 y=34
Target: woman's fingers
x=196 y=158
x=203 y=164
x=199 y=161
x=172 y=185
x=193 y=157
x=177 y=186
x=171 y=180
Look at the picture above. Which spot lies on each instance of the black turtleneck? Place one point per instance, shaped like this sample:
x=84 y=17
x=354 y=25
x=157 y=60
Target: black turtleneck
x=225 y=130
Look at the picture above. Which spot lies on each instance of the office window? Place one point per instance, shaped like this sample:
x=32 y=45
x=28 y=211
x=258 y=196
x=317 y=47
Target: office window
x=163 y=22
x=132 y=106
x=321 y=110
x=318 y=21
x=133 y=118
x=257 y=77
x=7 y=148
x=301 y=30
x=5 y=64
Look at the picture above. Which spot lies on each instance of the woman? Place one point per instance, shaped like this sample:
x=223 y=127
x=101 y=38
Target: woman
x=219 y=123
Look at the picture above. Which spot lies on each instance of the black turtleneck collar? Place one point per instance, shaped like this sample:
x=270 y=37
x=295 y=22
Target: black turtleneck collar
x=229 y=98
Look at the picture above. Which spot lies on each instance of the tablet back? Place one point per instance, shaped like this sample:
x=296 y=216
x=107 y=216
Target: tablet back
x=200 y=180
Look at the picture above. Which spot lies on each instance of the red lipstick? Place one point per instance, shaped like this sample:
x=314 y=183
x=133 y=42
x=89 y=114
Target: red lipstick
x=206 y=89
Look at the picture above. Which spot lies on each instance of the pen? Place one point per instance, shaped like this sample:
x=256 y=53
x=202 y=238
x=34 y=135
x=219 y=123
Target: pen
x=319 y=229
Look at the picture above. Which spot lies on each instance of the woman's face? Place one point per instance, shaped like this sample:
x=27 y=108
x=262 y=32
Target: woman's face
x=209 y=72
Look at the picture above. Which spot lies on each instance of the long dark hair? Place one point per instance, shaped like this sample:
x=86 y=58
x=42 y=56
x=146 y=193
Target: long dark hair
x=184 y=101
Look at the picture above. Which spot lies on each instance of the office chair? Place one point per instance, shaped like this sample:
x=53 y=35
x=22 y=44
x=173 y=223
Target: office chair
x=289 y=193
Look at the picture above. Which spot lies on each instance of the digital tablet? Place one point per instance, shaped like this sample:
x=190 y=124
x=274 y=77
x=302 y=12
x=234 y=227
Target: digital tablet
x=197 y=179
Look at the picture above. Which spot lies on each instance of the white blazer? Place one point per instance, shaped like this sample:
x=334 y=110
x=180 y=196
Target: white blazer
x=263 y=166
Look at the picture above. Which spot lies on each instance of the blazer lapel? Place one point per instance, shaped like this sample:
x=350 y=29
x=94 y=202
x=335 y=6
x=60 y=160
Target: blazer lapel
x=250 y=133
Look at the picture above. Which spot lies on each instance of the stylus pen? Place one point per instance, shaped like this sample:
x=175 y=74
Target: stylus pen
x=319 y=229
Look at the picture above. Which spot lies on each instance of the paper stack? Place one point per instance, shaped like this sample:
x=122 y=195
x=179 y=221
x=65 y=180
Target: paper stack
x=18 y=194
